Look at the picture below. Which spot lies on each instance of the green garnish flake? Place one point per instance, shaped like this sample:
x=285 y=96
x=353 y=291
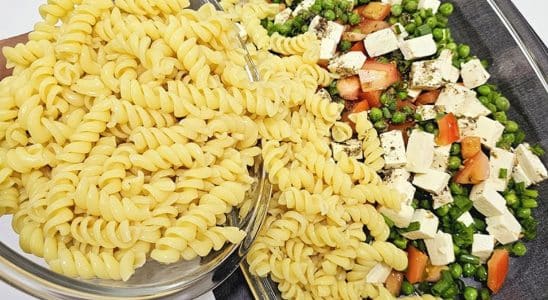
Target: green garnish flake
x=503 y=173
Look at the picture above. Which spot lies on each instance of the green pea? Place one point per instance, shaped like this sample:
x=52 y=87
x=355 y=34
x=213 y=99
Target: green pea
x=345 y=45
x=392 y=20
x=424 y=203
x=484 y=90
x=468 y=270
x=456 y=249
x=344 y=18
x=422 y=13
x=396 y=10
x=316 y=8
x=481 y=273
x=431 y=22
x=386 y=113
x=438 y=34
x=442 y=211
x=508 y=138
x=479 y=224
x=442 y=20
x=452 y=46
x=407 y=288
x=410 y=28
x=328 y=4
x=454 y=163
x=380 y=125
x=502 y=103
x=520 y=137
x=451 y=292
x=418 y=20
x=375 y=114
x=519 y=249
x=429 y=127
x=463 y=50
x=484 y=294
x=456 y=270
x=511 y=198
x=470 y=293
x=511 y=126
x=529 y=203
x=446 y=9
x=455 y=149
x=354 y=18
x=398 y=117
x=411 y=6
x=344 y=5
x=284 y=29
x=523 y=212
x=329 y=14
x=484 y=63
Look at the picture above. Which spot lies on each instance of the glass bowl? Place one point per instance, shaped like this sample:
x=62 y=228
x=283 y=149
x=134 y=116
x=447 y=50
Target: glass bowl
x=181 y=280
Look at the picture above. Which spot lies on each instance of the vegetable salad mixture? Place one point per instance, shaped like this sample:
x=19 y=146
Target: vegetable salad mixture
x=449 y=147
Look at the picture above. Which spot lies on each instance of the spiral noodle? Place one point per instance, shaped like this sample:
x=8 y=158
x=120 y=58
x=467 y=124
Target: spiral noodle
x=359 y=172
x=291 y=45
x=371 y=146
x=392 y=255
x=369 y=216
x=302 y=201
x=107 y=234
x=151 y=8
x=381 y=194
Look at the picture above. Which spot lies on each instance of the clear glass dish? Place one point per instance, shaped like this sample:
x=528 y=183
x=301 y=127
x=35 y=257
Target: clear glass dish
x=518 y=60
x=182 y=280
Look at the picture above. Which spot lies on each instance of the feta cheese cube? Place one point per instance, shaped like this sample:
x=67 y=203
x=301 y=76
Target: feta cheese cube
x=406 y=189
x=348 y=63
x=489 y=131
x=381 y=42
x=473 y=73
x=440 y=249
x=352 y=148
x=401 y=218
x=425 y=74
x=400 y=31
x=505 y=228
x=449 y=73
x=430 y=4
x=472 y=108
x=413 y=93
x=443 y=198
x=428 y=225
x=453 y=96
x=398 y=175
x=329 y=34
x=466 y=219
x=487 y=200
x=429 y=112
x=467 y=126
x=283 y=16
x=433 y=181
x=378 y=274
x=531 y=164
x=418 y=47
x=327 y=49
x=500 y=160
x=392 y=2
x=482 y=246
x=441 y=158
x=420 y=151
x=519 y=175
x=304 y=5
x=393 y=149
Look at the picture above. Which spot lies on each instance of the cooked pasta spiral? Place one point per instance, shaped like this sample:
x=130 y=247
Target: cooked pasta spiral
x=291 y=45
x=381 y=194
x=108 y=234
x=371 y=146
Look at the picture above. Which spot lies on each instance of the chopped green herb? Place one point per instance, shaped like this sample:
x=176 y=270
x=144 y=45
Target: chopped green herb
x=503 y=173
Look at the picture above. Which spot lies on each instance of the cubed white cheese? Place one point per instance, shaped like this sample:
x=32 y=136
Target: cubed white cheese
x=429 y=4
x=531 y=164
x=401 y=218
x=398 y=175
x=329 y=34
x=453 y=96
x=482 y=246
x=418 y=47
x=440 y=249
x=428 y=225
x=466 y=219
x=425 y=74
x=400 y=31
x=327 y=49
x=429 y=112
x=406 y=189
x=472 y=108
x=500 y=159
x=353 y=148
x=489 y=131
x=442 y=199
x=381 y=42
x=449 y=72
x=393 y=149
x=505 y=228
x=413 y=93
x=304 y=5
x=487 y=200
x=348 y=63
x=519 y=175
x=420 y=151
x=378 y=274
x=433 y=181
x=283 y=16
x=467 y=126
x=441 y=158
x=473 y=73
x=392 y=2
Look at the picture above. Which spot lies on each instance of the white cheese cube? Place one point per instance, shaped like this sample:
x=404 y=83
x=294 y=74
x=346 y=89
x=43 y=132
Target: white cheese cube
x=381 y=42
x=329 y=34
x=283 y=16
x=353 y=148
x=453 y=96
x=418 y=47
x=433 y=181
x=425 y=74
x=487 y=200
x=505 y=228
x=393 y=149
x=449 y=73
x=430 y=4
x=441 y=158
x=304 y=5
x=531 y=164
x=467 y=126
x=519 y=175
x=348 y=63
x=428 y=225
x=440 y=249
x=500 y=159
x=466 y=219
x=398 y=175
x=489 y=131
x=401 y=218
x=392 y=2
x=406 y=189
x=443 y=198
x=400 y=31
x=413 y=93
x=429 y=112
x=327 y=49
x=378 y=274
x=482 y=246
x=420 y=151
x=472 y=108
x=473 y=73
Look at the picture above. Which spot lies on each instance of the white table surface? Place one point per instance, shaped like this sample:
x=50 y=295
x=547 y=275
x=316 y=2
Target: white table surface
x=19 y=17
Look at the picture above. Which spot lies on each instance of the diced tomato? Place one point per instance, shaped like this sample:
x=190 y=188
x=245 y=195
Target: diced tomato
x=416 y=266
x=373 y=98
x=497 y=268
x=429 y=97
x=403 y=127
x=476 y=170
x=360 y=106
x=358 y=46
x=433 y=273
x=375 y=11
x=470 y=146
x=368 y=26
x=405 y=103
x=378 y=76
x=393 y=283
x=349 y=87
x=448 y=130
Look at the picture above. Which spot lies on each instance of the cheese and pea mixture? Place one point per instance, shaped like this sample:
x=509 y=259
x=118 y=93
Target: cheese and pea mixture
x=449 y=147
